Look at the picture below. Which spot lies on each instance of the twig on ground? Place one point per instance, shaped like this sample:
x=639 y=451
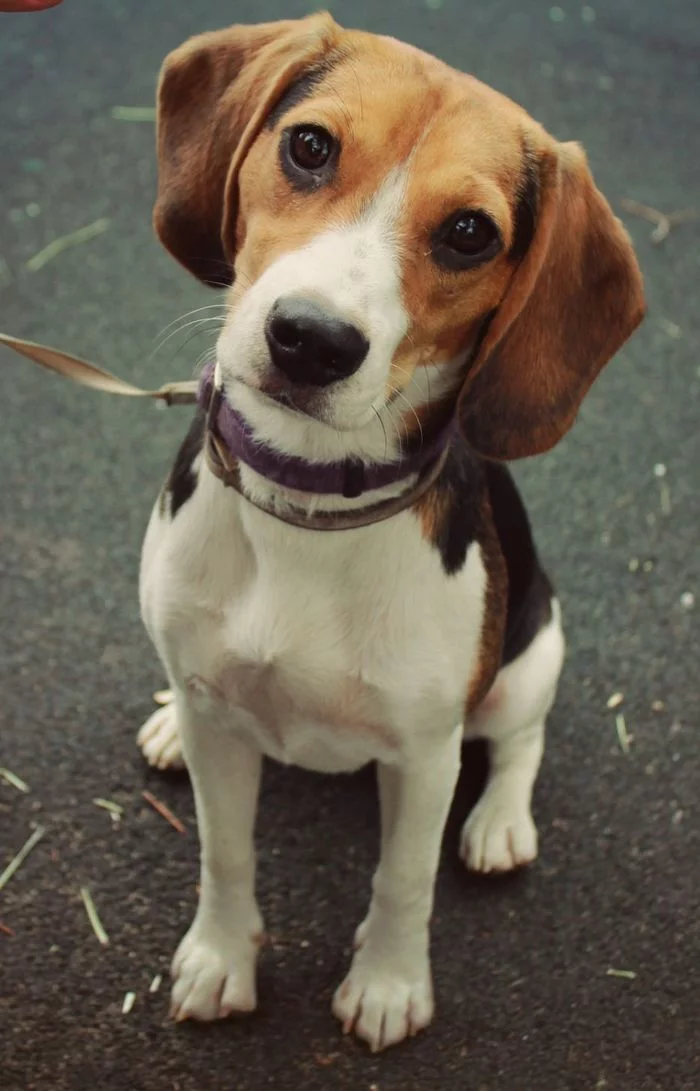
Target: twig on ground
x=164 y=811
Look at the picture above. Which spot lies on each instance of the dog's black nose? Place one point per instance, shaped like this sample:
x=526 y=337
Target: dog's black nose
x=311 y=346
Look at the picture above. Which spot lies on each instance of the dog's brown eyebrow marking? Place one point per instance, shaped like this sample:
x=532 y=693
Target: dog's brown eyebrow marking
x=526 y=207
x=301 y=89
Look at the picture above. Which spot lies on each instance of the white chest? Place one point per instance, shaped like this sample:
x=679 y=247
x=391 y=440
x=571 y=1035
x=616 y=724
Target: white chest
x=330 y=649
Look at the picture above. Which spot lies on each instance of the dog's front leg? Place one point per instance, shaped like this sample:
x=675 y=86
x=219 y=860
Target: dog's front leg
x=214 y=966
x=388 y=992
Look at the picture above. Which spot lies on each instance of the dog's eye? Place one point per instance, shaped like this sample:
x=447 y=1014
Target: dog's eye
x=310 y=147
x=466 y=239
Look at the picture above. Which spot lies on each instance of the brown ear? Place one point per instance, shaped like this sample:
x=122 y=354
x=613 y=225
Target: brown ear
x=214 y=94
x=573 y=301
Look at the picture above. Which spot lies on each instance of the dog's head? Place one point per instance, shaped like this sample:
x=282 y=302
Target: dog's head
x=398 y=237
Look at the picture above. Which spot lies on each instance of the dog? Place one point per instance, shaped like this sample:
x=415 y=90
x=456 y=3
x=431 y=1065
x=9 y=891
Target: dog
x=422 y=286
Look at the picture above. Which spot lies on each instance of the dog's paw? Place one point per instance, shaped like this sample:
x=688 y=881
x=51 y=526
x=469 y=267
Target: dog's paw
x=382 y=1006
x=159 y=741
x=498 y=836
x=212 y=978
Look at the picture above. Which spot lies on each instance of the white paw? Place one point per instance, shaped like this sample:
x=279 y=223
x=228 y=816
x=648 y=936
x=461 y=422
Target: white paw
x=212 y=977
x=159 y=740
x=383 y=1006
x=499 y=835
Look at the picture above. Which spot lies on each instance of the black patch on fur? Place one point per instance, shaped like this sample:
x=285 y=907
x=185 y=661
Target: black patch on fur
x=301 y=89
x=459 y=489
x=529 y=590
x=183 y=478
x=526 y=209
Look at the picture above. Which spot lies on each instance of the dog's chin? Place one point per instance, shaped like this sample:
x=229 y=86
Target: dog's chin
x=306 y=402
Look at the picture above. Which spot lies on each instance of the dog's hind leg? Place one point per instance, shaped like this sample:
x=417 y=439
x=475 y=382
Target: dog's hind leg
x=499 y=834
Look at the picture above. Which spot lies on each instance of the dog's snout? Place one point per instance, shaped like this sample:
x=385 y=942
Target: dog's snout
x=311 y=345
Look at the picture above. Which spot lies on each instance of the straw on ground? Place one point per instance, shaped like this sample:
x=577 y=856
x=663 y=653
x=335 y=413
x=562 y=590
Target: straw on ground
x=65 y=242
x=14 y=780
x=134 y=113
x=93 y=916
x=17 y=861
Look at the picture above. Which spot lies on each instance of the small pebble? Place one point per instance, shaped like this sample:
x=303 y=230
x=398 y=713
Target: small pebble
x=616 y=700
x=587 y=15
x=648 y=566
x=672 y=329
x=659 y=470
x=433 y=5
x=155 y=984
x=633 y=564
x=657 y=706
x=557 y=15
x=128 y=1003
x=15 y=215
x=33 y=210
x=687 y=600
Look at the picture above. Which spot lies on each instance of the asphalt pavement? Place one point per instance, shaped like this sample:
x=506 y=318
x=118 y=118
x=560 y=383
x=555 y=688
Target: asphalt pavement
x=525 y=998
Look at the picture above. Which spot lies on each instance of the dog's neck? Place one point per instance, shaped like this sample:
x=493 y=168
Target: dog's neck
x=278 y=481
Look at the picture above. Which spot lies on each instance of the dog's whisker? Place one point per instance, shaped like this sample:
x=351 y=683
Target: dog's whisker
x=400 y=394
x=201 y=324
x=188 y=314
x=381 y=422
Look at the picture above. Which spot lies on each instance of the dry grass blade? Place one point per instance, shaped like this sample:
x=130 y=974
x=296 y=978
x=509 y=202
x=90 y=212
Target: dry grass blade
x=14 y=780
x=107 y=805
x=663 y=221
x=17 y=861
x=629 y=975
x=623 y=736
x=134 y=113
x=65 y=242
x=5 y=929
x=164 y=812
x=93 y=916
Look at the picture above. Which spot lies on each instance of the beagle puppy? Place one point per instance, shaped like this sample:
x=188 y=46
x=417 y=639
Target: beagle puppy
x=422 y=285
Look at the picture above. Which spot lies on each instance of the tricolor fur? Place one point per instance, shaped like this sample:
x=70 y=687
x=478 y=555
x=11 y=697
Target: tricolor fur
x=391 y=642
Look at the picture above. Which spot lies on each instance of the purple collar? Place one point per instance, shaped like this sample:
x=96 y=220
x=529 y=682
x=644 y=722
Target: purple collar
x=350 y=477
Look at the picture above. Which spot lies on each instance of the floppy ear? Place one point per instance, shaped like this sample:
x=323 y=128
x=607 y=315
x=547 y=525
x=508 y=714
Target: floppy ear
x=575 y=298
x=214 y=94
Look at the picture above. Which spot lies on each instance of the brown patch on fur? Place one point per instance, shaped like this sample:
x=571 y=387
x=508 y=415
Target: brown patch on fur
x=432 y=510
x=495 y=610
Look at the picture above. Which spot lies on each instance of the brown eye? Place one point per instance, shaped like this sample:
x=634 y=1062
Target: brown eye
x=310 y=147
x=466 y=239
x=471 y=233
